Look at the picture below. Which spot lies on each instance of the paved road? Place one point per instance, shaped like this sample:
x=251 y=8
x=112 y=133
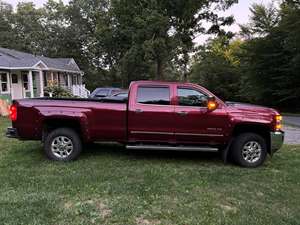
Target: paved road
x=292 y=135
x=292 y=120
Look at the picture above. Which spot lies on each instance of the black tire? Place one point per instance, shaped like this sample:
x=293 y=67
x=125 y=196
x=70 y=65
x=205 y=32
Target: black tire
x=70 y=135
x=237 y=150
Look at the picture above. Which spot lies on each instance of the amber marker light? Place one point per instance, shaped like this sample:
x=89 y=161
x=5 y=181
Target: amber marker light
x=278 y=124
x=278 y=118
x=211 y=105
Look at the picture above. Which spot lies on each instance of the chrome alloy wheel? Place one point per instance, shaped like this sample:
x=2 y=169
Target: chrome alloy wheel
x=252 y=151
x=62 y=147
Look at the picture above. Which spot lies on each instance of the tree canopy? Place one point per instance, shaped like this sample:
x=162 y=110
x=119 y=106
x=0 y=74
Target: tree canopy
x=117 y=41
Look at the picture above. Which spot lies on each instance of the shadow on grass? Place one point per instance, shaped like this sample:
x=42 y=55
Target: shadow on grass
x=115 y=150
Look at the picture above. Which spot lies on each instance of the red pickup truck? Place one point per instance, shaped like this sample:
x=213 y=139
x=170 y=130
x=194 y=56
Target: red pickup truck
x=156 y=115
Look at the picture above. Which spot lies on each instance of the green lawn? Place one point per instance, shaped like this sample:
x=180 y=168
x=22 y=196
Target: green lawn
x=109 y=185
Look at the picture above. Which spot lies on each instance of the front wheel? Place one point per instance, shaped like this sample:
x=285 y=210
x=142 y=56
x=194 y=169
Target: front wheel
x=249 y=150
x=62 y=144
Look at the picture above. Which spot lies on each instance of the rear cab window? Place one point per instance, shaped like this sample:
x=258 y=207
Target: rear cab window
x=154 y=95
x=102 y=93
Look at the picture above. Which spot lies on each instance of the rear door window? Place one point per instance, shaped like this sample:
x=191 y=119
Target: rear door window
x=154 y=95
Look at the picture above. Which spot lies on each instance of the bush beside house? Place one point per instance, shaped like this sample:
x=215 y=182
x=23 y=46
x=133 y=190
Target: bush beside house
x=4 y=108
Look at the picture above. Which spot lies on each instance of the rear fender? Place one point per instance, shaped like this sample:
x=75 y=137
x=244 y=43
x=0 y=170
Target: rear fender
x=80 y=118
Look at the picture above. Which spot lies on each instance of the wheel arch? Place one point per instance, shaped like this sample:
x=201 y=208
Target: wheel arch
x=50 y=124
x=257 y=128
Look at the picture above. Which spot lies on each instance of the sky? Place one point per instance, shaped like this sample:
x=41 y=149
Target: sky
x=240 y=12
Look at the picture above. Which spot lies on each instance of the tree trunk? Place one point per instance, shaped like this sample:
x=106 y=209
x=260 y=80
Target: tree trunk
x=185 y=73
x=159 y=70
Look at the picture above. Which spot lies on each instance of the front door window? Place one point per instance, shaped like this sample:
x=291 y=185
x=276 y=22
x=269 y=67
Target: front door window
x=191 y=97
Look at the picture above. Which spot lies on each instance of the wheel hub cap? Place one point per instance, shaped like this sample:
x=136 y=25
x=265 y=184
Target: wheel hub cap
x=62 y=147
x=252 y=151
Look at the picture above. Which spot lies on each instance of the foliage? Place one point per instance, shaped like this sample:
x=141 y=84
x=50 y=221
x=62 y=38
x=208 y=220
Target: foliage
x=7 y=34
x=118 y=41
x=217 y=68
x=115 y=41
x=262 y=20
x=264 y=67
x=55 y=91
x=271 y=64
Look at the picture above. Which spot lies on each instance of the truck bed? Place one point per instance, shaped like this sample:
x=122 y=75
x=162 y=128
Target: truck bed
x=98 y=120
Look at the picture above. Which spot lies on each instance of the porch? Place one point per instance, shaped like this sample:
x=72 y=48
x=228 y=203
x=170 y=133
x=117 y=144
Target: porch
x=18 y=84
x=24 y=75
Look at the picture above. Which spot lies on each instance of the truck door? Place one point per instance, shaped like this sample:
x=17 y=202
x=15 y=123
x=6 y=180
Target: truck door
x=150 y=114
x=194 y=124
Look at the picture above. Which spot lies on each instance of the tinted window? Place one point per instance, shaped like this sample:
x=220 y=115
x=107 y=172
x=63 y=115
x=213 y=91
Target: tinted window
x=191 y=97
x=122 y=95
x=102 y=93
x=154 y=95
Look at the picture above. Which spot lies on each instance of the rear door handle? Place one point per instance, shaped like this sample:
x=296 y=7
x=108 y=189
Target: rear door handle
x=138 y=111
x=182 y=113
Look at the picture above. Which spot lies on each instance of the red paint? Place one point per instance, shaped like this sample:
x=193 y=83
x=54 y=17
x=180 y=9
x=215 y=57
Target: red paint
x=13 y=113
x=135 y=122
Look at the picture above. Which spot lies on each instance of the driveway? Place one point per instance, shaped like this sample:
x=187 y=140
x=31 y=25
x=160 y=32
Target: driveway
x=292 y=120
x=292 y=135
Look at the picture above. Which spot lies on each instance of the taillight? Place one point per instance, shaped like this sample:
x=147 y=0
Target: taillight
x=278 y=122
x=13 y=113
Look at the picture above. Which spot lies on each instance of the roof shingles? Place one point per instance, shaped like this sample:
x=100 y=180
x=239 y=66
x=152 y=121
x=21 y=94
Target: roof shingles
x=15 y=59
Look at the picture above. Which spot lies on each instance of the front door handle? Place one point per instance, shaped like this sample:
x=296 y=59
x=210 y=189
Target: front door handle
x=182 y=113
x=138 y=111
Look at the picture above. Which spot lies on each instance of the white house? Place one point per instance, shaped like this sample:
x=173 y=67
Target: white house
x=24 y=75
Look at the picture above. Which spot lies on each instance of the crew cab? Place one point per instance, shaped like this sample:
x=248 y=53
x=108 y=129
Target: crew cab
x=155 y=115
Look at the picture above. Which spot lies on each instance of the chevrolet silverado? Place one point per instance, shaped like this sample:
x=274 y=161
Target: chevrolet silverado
x=155 y=115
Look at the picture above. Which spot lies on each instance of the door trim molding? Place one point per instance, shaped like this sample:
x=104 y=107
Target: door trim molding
x=195 y=134
x=151 y=132
x=171 y=133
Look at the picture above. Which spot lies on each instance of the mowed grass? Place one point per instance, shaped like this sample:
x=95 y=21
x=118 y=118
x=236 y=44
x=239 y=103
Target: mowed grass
x=109 y=185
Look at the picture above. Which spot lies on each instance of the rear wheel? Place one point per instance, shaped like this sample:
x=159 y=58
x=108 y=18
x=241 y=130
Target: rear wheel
x=249 y=150
x=62 y=144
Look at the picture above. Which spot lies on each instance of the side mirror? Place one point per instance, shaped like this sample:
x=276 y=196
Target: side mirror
x=212 y=104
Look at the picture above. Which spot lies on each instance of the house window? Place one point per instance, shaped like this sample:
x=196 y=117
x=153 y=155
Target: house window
x=14 y=78
x=25 y=81
x=4 y=82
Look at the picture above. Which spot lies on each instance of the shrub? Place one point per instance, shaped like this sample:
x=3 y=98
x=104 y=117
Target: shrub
x=55 y=91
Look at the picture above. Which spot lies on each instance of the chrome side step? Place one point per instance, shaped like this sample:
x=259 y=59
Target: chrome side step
x=172 y=148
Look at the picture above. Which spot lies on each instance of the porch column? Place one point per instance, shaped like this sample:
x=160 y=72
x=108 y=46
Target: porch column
x=69 y=80
x=41 y=83
x=30 y=83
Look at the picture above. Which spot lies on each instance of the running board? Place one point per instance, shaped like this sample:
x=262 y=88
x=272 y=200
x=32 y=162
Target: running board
x=172 y=148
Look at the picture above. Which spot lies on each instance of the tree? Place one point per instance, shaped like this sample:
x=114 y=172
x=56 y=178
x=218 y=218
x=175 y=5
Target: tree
x=262 y=20
x=271 y=63
x=217 y=67
x=6 y=34
x=28 y=28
